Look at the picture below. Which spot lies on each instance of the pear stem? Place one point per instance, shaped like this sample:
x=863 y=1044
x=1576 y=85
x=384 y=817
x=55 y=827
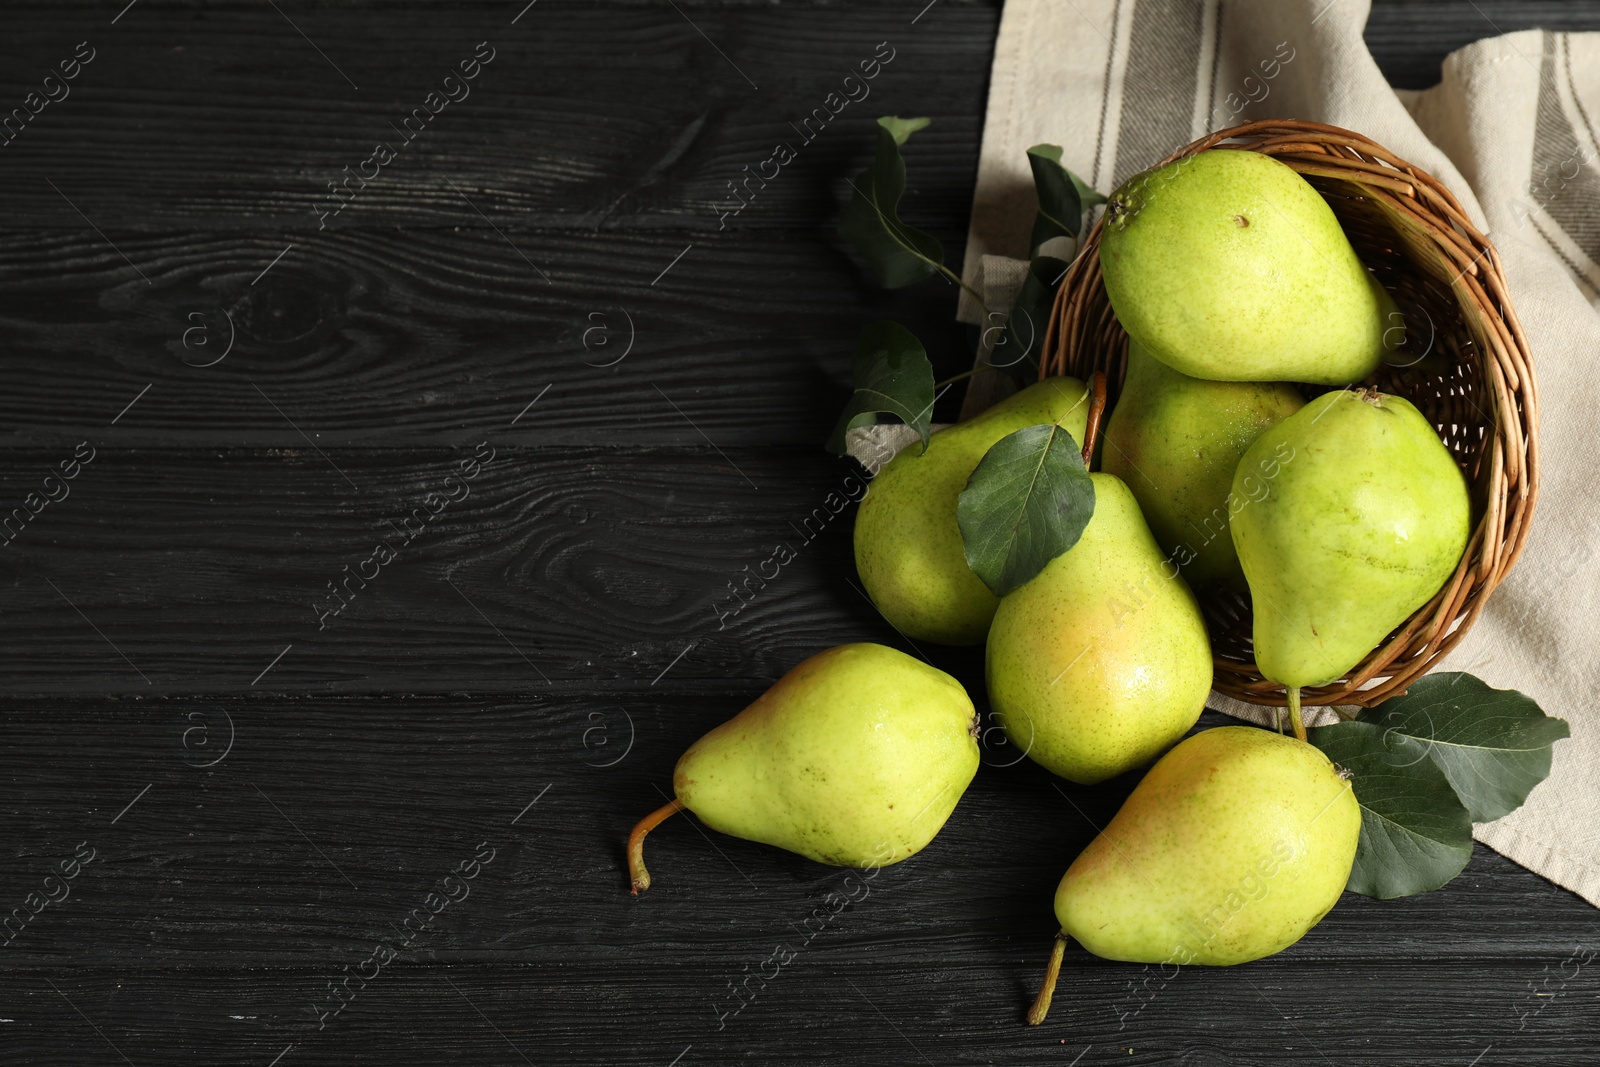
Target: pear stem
x=1052 y=971
x=1294 y=713
x=636 y=868
x=1097 y=407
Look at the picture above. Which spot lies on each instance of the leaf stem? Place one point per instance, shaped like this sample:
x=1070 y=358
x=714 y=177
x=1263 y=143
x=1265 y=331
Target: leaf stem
x=636 y=868
x=1047 y=989
x=964 y=374
x=970 y=291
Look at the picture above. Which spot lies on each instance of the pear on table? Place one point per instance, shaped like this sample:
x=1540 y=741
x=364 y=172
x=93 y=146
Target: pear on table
x=1101 y=661
x=1176 y=441
x=1233 y=846
x=856 y=758
x=1228 y=265
x=908 y=544
x=1367 y=519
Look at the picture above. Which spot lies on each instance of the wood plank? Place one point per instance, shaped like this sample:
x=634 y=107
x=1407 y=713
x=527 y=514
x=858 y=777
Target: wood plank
x=651 y=1006
x=587 y=114
x=595 y=549
x=1410 y=38
x=329 y=819
x=402 y=337
x=574 y=569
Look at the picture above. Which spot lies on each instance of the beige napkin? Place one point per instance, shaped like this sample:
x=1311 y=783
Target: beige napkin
x=1513 y=129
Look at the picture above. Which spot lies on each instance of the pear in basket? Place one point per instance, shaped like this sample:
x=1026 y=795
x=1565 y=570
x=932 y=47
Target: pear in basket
x=1228 y=265
x=1366 y=520
x=1176 y=442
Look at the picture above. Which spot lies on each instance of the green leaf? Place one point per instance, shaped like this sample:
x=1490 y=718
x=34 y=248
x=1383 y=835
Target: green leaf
x=1025 y=504
x=902 y=129
x=1492 y=744
x=891 y=373
x=897 y=254
x=1415 y=833
x=1063 y=196
x=1017 y=350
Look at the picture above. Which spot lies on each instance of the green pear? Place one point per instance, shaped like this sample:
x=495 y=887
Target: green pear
x=1175 y=441
x=908 y=545
x=856 y=758
x=1365 y=519
x=1228 y=265
x=1233 y=846
x=1101 y=661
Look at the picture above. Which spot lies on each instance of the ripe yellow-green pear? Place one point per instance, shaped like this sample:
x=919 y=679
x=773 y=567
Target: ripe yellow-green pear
x=1176 y=441
x=856 y=757
x=1365 y=522
x=1228 y=265
x=1101 y=661
x=908 y=545
x=1233 y=846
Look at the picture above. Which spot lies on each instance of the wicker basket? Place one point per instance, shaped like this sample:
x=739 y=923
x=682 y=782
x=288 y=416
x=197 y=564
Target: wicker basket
x=1481 y=396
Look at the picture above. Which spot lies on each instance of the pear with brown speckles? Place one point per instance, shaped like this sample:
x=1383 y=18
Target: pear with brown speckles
x=1228 y=265
x=856 y=757
x=1100 y=662
x=1367 y=522
x=1234 y=845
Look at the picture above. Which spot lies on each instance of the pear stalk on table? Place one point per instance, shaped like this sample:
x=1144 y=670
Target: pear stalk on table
x=1233 y=846
x=856 y=757
x=1366 y=521
x=908 y=544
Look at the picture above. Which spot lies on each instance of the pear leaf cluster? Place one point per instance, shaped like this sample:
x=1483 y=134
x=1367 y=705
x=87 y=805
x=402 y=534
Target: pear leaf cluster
x=897 y=255
x=1026 y=503
x=1427 y=765
x=891 y=373
x=1063 y=196
x=1030 y=498
x=1064 y=203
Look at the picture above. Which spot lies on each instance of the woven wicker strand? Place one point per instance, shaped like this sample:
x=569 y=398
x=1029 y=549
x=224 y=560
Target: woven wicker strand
x=1478 y=389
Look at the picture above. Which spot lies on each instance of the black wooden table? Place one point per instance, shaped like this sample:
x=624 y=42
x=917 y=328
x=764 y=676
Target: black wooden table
x=273 y=794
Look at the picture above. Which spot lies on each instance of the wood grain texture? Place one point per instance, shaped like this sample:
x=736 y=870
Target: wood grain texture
x=417 y=336
x=573 y=570
x=1410 y=38
x=329 y=819
x=589 y=115
x=640 y=1010
x=830 y=1004
x=527 y=670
